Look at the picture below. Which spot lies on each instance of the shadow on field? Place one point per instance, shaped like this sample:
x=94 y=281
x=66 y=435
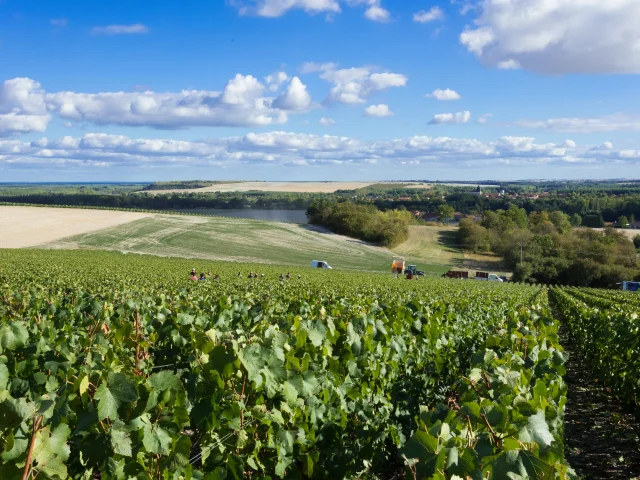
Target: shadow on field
x=448 y=240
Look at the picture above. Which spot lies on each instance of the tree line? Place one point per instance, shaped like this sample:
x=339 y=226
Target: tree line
x=365 y=222
x=545 y=247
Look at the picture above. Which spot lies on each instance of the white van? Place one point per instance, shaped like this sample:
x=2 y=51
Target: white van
x=320 y=264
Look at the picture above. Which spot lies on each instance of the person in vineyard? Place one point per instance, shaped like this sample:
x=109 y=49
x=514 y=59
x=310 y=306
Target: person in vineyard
x=202 y=277
x=193 y=276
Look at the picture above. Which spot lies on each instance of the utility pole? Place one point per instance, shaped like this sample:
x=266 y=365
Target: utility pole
x=521 y=257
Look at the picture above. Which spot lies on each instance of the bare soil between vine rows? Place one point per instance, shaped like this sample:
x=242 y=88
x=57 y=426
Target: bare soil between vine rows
x=602 y=441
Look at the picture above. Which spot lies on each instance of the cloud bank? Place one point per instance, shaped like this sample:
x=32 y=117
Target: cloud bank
x=286 y=148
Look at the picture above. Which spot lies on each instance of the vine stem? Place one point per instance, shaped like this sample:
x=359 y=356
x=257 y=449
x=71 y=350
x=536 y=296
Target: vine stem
x=27 y=466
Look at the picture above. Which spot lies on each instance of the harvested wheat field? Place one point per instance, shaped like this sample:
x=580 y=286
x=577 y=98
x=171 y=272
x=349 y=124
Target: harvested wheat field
x=293 y=187
x=22 y=227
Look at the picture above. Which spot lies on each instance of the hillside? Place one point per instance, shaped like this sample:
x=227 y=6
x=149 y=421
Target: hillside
x=233 y=239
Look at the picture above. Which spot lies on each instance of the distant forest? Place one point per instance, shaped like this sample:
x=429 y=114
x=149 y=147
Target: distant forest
x=607 y=199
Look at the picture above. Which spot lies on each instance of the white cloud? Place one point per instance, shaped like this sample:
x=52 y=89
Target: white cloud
x=327 y=122
x=377 y=14
x=381 y=110
x=277 y=8
x=447 y=94
x=22 y=107
x=135 y=29
x=460 y=117
x=285 y=148
x=485 y=118
x=25 y=107
x=353 y=86
x=295 y=98
x=610 y=123
x=426 y=16
x=510 y=64
x=312 y=67
x=275 y=80
x=557 y=37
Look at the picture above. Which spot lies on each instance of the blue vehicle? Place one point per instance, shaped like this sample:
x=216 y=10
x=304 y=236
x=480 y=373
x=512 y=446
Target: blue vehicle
x=631 y=286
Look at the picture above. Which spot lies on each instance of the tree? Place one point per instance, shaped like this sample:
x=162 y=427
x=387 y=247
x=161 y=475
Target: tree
x=560 y=221
x=623 y=221
x=474 y=236
x=593 y=220
x=576 y=220
x=636 y=241
x=445 y=212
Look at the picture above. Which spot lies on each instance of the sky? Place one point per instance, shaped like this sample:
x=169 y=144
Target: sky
x=319 y=90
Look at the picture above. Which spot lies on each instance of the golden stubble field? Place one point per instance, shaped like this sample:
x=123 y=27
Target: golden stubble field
x=292 y=187
x=22 y=227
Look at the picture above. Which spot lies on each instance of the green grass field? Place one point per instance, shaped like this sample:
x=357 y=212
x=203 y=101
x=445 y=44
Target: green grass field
x=252 y=241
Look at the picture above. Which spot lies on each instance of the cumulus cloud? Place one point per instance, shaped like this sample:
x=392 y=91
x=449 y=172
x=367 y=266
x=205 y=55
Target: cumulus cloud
x=558 y=37
x=426 y=16
x=609 y=123
x=25 y=107
x=327 y=121
x=135 y=29
x=444 y=95
x=22 y=107
x=286 y=148
x=451 y=118
x=352 y=86
x=381 y=110
x=295 y=98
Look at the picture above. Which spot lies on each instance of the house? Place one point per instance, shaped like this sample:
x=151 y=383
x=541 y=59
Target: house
x=404 y=199
x=635 y=224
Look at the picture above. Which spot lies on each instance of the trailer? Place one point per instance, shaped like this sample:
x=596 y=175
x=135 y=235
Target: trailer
x=456 y=274
x=631 y=286
x=482 y=276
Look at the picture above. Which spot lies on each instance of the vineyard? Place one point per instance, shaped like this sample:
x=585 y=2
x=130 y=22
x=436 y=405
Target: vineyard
x=116 y=366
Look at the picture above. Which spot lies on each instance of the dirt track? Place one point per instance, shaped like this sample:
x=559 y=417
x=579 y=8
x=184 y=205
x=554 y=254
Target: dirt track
x=22 y=227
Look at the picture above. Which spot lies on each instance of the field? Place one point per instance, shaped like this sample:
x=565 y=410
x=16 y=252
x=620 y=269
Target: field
x=29 y=226
x=431 y=245
x=235 y=239
x=295 y=187
x=118 y=366
x=131 y=368
x=216 y=238
x=629 y=232
x=433 y=249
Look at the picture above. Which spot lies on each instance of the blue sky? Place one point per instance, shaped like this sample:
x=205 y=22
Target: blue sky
x=319 y=89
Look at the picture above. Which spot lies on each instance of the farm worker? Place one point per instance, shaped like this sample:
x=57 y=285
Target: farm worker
x=288 y=275
x=202 y=277
x=193 y=276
